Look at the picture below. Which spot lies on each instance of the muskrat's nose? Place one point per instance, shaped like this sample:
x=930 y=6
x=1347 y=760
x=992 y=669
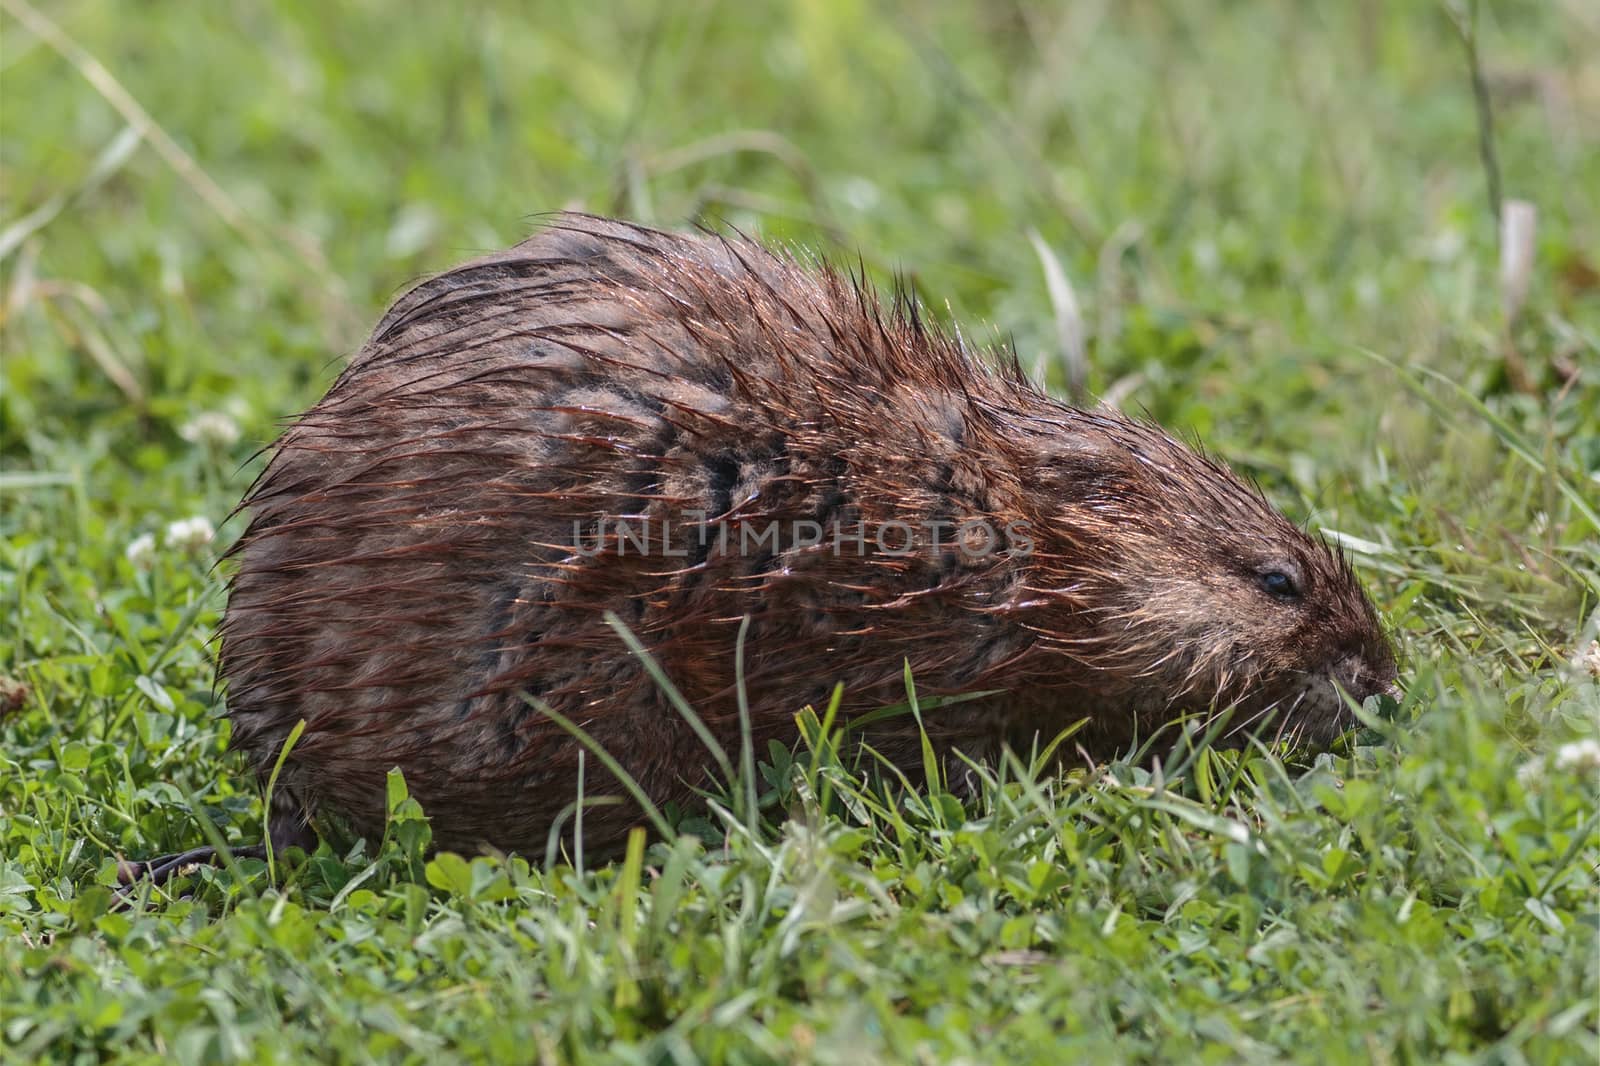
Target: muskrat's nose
x=1363 y=676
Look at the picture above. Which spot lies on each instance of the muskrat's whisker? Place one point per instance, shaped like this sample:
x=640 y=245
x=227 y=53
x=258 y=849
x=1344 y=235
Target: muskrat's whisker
x=1245 y=722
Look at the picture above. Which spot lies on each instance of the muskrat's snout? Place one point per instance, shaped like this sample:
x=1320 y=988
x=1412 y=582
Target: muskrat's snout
x=1322 y=712
x=1368 y=668
x=1370 y=675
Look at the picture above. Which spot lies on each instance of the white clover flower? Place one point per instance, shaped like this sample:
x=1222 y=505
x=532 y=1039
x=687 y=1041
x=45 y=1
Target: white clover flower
x=190 y=534
x=1367 y=291
x=1445 y=246
x=141 y=551
x=1530 y=775
x=1589 y=659
x=210 y=429
x=1580 y=755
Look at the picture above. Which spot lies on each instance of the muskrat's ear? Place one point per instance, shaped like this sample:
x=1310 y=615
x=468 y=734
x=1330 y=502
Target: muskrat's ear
x=1081 y=462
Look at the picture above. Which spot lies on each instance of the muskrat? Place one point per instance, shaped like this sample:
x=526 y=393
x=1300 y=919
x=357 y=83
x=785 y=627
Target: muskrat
x=694 y=431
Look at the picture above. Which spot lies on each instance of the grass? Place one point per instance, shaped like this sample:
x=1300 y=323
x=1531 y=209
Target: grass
x=1277 y=225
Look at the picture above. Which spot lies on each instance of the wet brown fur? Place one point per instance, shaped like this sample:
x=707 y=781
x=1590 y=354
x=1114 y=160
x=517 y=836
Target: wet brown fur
x=408 y=576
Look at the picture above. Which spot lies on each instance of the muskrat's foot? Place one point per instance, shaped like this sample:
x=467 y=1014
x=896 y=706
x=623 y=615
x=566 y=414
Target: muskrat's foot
x=285 y=833
x=158 y=870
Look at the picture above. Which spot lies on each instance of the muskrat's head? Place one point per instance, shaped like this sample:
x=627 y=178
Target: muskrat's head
x=1185 y=590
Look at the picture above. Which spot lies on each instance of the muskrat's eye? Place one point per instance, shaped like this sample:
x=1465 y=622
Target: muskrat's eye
x=1280 y=584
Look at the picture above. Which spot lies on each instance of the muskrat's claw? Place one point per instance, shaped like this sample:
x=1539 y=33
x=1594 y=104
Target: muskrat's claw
x=162 y=868
x=157 y=870
x=286 y=831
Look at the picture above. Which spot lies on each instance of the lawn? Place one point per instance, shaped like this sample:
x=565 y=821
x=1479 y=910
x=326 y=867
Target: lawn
x=1279 y=224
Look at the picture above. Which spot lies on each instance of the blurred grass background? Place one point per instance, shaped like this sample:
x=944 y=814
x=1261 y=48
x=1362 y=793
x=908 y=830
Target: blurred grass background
x=1275 y=218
